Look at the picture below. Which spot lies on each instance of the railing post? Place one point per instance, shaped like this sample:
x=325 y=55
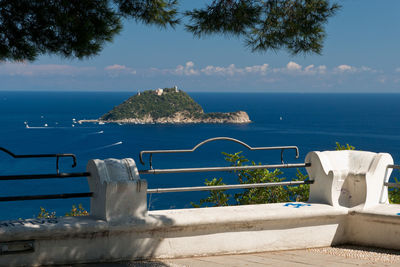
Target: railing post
x=118 y=192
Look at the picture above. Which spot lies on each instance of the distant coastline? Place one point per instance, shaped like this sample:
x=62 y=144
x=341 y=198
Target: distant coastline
x=230 y=117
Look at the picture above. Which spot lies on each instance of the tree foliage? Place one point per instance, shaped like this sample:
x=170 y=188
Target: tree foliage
x=275 y=194
x=297 y=25
x=148 y=103
x=81 y=28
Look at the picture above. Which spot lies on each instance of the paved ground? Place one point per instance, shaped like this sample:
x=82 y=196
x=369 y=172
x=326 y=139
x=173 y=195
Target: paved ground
x=337 y=256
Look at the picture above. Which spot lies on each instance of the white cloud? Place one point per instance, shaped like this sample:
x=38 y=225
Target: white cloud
x=352 y=69
x=345 y=68
x=313 y=70
x=293 y=66
x=115 y=70
x=232 y=70
x=187 y=70
x=115 y=67
x=260 y=69
x=397 y=70
x=25 y=69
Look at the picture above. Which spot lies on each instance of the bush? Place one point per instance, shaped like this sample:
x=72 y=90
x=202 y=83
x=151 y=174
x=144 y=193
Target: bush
x=262 y=195
x=80 y=211
x=44 y=214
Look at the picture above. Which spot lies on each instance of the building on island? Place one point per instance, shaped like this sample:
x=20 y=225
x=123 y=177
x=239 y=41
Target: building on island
x=176 y=89
x=159 y=91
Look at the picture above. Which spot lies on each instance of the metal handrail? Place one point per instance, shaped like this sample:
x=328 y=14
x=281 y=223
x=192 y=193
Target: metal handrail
x=227 y=168
x=392 y=166
x=230 y=168
x=57 y=175
x=224 y=187
x=57 y=156
x=53 y=196
x=392 y=185
x=151 y=152
x=44 y=176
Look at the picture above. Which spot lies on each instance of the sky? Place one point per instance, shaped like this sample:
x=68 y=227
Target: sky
x=361 y=55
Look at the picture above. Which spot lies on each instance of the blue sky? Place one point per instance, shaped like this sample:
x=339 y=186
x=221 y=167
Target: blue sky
x=361 y=54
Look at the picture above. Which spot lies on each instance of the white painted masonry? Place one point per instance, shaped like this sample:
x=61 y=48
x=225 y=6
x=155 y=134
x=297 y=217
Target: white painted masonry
x=348 y=204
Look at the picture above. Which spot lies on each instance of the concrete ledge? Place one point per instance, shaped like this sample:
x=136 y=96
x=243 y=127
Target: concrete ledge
x=377 y=226
x=173 y=233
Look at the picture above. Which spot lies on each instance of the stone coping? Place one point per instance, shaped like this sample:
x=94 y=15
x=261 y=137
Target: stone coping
x=179 y=218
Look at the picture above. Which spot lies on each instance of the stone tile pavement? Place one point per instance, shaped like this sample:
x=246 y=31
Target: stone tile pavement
x=332 y=256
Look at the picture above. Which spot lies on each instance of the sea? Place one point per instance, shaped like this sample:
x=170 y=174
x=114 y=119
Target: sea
x=313 y=122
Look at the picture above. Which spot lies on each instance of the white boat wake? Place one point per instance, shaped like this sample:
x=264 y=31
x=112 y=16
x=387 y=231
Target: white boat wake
x=100 y=132
x=103 y=147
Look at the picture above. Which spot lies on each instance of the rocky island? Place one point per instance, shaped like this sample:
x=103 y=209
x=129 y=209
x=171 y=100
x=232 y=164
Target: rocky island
x=168 y=105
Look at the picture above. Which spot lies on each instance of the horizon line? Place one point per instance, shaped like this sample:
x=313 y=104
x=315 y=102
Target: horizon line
x=236 y=92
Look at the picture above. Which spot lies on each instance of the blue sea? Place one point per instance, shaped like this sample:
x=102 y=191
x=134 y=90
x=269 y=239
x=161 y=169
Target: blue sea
x=310 y=121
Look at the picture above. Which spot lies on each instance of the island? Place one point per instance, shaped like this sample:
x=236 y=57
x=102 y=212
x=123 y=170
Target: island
x=168 y=105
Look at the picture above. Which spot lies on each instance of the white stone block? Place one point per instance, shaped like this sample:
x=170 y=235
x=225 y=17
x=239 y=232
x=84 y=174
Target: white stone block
x=349 y=178
x=119 y=193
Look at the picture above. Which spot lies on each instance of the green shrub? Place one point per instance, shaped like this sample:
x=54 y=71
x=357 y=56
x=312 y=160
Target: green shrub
x=44 y=214
x=80 y=211
x=262 y=195
x=344 y=147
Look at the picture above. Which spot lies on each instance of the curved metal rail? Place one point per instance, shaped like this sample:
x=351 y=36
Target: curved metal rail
x=151 y=152
x=57 y=156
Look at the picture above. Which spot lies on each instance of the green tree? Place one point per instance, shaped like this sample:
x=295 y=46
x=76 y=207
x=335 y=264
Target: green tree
x=81 y=28
x=262 y=195
x=217 y=197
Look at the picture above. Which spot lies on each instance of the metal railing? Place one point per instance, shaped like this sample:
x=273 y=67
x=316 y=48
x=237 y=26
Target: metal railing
x=226 y=168
x=393 y=184
x=57 y=175
x=60 y=175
